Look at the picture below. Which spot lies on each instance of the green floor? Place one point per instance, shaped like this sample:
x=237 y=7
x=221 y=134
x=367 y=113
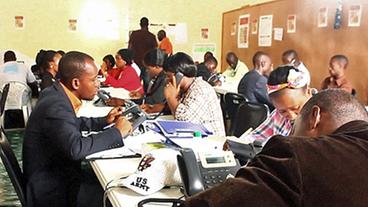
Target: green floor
x=8 y=196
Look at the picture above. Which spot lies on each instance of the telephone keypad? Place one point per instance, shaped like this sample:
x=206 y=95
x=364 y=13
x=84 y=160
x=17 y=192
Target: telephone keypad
x=213 y=177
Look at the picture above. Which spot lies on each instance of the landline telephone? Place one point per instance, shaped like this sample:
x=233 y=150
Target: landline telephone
x=134 y=114
x=213 y=168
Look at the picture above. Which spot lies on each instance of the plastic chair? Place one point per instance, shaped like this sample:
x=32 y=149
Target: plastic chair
x=232 y=102
x=249 y=115
x=12 y=167
x=19 y=98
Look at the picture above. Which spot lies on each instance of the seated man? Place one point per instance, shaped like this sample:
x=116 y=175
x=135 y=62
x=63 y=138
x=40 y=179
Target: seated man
x=236 y=69
x=322 y=164
x=53 y=145
x=13 y=71
x=254 y=83
x=290 y=57
x=337 y=78
x=207 y=70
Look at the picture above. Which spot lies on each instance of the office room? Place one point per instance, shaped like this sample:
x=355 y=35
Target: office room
x=183 y=103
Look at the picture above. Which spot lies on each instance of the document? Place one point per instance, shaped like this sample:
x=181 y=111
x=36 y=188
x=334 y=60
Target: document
x=265 y=31
x=120 y=152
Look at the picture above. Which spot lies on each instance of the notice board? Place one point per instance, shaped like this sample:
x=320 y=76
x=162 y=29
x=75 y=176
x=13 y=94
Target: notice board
x=314 y=41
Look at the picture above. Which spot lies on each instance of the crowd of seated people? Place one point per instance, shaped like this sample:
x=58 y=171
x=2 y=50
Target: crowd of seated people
x=172 y=83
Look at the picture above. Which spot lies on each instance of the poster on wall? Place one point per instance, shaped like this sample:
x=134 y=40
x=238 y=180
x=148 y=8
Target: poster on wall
x=233 y=29
x=265 y=31
x=199 y=49
x=254 y=26
x=204 y=33
x=355 y=14
x=322 y=17
x=243 y=31
x=278 y=34
x=72 y=26
x=19 y=22
x=291 y=23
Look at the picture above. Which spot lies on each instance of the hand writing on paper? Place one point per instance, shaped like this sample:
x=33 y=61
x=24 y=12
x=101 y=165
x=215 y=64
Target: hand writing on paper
x=113 y=115
x=124 y=126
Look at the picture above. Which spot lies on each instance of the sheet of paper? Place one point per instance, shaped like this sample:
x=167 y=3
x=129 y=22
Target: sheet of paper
x=117 y=152
x=181 y=33
x=243 y=31
x=265 y=31
x=278 y=33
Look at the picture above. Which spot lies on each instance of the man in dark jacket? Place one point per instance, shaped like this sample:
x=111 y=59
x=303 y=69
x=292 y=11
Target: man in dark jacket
x=322 y=164
x=140 y=42
x=253 y=85
x=53 y=145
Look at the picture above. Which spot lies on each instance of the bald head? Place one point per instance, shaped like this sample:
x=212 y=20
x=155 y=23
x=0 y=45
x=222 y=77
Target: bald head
x=327 y=111
x=232 y=59
x=290 y=57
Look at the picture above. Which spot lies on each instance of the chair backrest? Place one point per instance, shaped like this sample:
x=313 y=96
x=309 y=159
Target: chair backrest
x=232 y=102
x=4 y=95
x=19 y=95
x=12 y=167
x=249 y=115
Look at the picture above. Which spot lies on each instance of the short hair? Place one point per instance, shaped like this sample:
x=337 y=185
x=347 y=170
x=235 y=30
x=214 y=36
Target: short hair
x=257 y=58
x=111 y=59
x=340 y=58
x=181 y=62
x=144 y=22
x=72 y=65
x=155 y=57
x=288 y=53
x=342 y=106
x=211 y=59
x=126 y=54
x=231 y=55
x=9 y=56
x=46 y=57
x=161 y=32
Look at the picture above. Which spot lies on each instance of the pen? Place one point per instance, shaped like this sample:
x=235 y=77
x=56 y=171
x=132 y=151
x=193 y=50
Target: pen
x=109 y=126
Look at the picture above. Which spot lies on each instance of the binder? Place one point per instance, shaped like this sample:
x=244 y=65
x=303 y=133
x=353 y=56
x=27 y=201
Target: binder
x=178 y=129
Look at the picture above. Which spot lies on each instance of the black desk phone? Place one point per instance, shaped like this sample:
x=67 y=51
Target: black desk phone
x=213 y=168
x=134 y=114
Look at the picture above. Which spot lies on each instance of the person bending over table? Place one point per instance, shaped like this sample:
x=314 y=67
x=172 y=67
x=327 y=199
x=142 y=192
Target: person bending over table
x=190 y=98
x=288 y=90
x=53 y=145
x=153 y=100
x=321 y=164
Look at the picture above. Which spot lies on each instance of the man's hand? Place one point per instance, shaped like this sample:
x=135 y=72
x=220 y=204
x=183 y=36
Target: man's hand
x=148 y=108
x=124 y=126
x=135 y=94
x=115 y=102
x=226 y=146
x=114 y=115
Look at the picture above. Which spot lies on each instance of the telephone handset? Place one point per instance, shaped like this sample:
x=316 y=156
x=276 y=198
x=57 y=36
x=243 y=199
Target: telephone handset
x=178 y=77
x=103 y=95
x=213 y=168
x=134 y=114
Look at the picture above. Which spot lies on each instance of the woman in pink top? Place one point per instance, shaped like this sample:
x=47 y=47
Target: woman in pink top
x=127 y=78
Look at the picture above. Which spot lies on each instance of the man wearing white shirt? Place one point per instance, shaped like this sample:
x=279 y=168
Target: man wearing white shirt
x=13 y=71
x=236 y=70
x=290 y=57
